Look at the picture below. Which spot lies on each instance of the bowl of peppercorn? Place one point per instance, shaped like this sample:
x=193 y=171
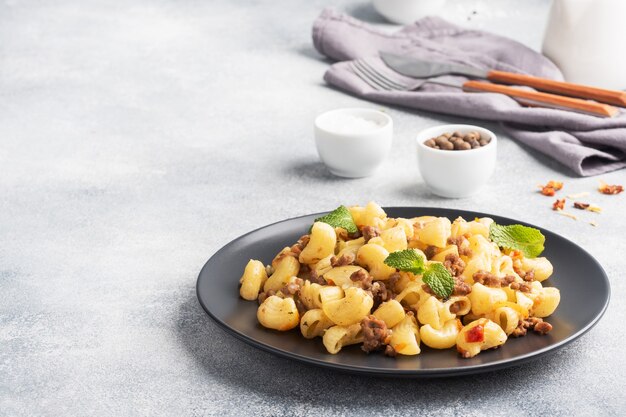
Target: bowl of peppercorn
x=456 y=161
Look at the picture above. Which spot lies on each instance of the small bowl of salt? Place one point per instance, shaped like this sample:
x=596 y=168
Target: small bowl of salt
x=353 y=142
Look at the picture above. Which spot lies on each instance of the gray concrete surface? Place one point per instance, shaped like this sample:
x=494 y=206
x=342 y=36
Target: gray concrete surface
x=137 y=138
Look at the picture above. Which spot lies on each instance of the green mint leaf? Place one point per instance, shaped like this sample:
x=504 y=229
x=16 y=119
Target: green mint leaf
x=406 y=260
x=340 y=217
x=527 y=240
x=439 y=280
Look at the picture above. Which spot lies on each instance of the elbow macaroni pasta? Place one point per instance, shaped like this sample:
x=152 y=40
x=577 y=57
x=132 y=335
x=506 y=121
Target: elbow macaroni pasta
x=337 y=283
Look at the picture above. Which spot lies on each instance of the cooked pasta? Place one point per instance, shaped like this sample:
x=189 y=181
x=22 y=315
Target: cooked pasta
x=401 y=285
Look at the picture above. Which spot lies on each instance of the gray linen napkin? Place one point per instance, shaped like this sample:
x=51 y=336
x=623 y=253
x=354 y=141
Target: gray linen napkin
x=586 y=144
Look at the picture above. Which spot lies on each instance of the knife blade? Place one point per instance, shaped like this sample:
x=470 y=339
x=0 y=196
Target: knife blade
x=419 y=68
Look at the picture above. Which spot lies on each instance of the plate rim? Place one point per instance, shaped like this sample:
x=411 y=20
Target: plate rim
x=408 y=373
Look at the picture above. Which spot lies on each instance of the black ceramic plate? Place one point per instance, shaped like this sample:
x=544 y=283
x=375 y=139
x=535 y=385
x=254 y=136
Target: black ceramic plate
x=583 y=284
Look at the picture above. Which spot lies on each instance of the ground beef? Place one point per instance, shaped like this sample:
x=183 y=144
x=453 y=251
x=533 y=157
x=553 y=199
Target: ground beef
x=300 y=306
x=343 y=234
x=300 y=245
x=392 y=281
x=431 y=251
x=523 y=286
x=487 y=278
x=380 y=293
x=532 y=323
x=282 y=255
x=454 y=264
x=293 y=287
x=519 y=331
x=370 y=232
x=390 y=351
x=264 y=295
x=376 y=335
x=316 y=279
x=465 y=251
x=362 y=277
x=506 y=280
x=490 y=280
x=305 y=271
x=542 y=327
x=294 y=250
x=455 y=307
x=529 y=276
x=460 y=287
x=345 y=259
x=462 y=244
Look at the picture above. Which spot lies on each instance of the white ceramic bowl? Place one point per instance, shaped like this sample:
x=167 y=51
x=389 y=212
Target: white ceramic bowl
x=456 y=174
x=353 y=154
x=407 y=11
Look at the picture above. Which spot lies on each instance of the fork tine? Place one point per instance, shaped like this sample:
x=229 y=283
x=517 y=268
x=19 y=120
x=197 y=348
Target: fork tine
x=373 y=76
x=380 y=76
x=367 y=78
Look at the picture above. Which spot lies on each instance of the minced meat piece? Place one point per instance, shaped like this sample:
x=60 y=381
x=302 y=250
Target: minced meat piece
x=264 y=295
x=462 y=245
x=300 y=245
x=454 y=264
x=345 y=259
x=523 y=286
x=542 y=327
x=390 y=351
x=455 y=307
x=369 y=232
x=376 y=335
x=360 y=276
x=532 y=323
x=364 y=279
x=529 y=276
x=392 y=281
x=506 y=280
x=380 y=293
x=487 y=278
x=431 y=251
x=519 y=331
x=293 y=287
x=460 y=287
x=316 y=279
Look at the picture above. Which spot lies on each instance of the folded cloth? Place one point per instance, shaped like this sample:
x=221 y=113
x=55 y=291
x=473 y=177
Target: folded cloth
x=588 y=145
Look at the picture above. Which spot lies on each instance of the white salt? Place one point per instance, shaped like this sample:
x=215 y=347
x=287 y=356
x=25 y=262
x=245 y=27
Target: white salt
x=345 y=123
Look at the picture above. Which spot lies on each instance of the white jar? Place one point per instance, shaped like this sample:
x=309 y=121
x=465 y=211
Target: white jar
x=586 y=40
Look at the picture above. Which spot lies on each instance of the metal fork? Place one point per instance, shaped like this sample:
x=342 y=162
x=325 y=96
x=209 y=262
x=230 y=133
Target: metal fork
x=379 y=81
